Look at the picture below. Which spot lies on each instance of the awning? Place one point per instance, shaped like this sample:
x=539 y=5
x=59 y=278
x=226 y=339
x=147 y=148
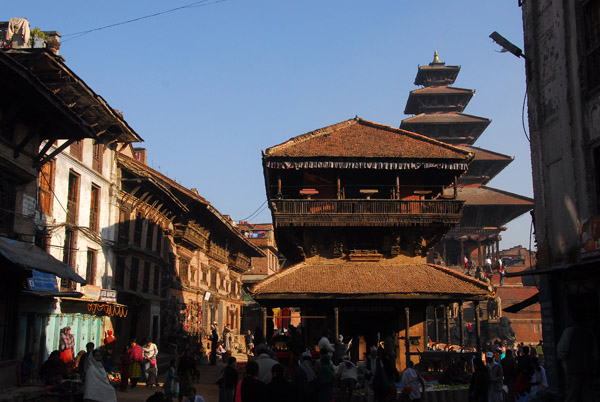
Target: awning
x=574 y=266
x=29 y=256
x=515 y=308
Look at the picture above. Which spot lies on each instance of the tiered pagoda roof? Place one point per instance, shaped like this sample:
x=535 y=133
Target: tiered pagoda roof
x=438 y=114
x=452 y=127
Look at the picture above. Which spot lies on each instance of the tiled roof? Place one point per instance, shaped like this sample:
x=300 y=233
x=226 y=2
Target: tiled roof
x=482 y=154
x=358 y=138
x=319 y=278
x=442 y=90
x=483 y=195
x=445 y=117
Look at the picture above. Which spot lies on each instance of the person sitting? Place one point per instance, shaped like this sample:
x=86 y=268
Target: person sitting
x=192 y=397
x=54 y=369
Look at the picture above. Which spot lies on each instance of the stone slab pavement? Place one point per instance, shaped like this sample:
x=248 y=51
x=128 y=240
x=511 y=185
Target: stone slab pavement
x=205 y=386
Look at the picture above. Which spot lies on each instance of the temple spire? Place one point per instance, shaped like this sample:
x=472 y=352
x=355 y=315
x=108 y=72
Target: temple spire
x=436 y=60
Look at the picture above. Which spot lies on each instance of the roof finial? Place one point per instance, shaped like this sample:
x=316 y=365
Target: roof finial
x=436 y=59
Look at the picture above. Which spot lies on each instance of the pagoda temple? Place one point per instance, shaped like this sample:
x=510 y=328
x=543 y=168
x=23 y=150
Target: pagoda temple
x=438 y=113
x=356 y=207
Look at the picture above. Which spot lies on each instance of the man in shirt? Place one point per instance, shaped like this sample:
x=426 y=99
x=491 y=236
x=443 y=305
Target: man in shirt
x=150 y=352
x=495 y=391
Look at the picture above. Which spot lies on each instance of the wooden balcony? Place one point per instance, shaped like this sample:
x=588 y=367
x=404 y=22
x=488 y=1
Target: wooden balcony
x=359 y=212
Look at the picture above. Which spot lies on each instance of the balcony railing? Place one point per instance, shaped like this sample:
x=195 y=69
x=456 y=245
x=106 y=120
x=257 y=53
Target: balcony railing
x=369 y=212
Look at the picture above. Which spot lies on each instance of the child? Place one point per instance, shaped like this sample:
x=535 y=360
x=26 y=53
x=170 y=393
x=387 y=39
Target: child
x=151 y=374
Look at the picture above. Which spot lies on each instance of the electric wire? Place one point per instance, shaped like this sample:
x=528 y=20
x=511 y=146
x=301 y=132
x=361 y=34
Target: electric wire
x=254 y=213
x=201 y=3
x=523 y=116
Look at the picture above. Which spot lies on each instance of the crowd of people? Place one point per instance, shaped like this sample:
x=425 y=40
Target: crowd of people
x=510 y=373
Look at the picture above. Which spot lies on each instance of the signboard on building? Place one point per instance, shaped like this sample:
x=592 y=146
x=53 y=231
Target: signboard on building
x=589 y=238
x=42 y=282
x=108 y=295
x=91 y=292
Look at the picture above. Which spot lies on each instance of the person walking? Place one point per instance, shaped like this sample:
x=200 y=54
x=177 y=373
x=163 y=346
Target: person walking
x=214 y=341
x=150 y=351
x=480 y=382
x=279 y=389
x=171 y=380
x=348 y=374
x=125 y=363
x=136 y=357
x=496 y=374
x=227 y=339
x=186 y=372
x=228 y=380
x=83 y=360
x=305 y=379
x=97 y=387
x=412 y=379
x=66 y=347
x=371 y=371
x=250 y=389
x=510 y=370
x=249 y=341
x=326 y=378
x=538 y=380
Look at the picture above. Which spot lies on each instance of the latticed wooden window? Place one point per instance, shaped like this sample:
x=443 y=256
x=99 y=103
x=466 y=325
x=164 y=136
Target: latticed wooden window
x=7 y=205
x=133 y=279
x=95 y=208
x=97 y=157
x=76 y=149
x=146 y=280
x=90 y=272
x=184 y=270
x=137 y=233
x=69 y=256
x=149 y=235
x=46 y=183
x=73 y=198
x=156 y=281
x=119 y=273
x=124 y=226
x=159 y=240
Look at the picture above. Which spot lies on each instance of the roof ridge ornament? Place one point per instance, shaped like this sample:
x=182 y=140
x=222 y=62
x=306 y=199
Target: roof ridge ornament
x=436 y=60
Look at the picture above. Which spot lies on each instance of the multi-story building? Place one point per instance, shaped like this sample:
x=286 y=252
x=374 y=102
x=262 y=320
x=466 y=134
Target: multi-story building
x=356 y=207
x=179 y=261
x=31 y=114
x=75 y=210
x=562 y=62
x=262 y=236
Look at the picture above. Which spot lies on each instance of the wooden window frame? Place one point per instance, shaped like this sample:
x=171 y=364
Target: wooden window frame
x=119 y=274
x=90 y=270
x=73 y=197
x=76 y=150
x=95 y=195
x=146 y=277
x=97 y=156
x=135 y=273
x=46 y=186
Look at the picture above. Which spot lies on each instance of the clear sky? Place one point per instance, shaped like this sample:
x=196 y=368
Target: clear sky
x=208 y=87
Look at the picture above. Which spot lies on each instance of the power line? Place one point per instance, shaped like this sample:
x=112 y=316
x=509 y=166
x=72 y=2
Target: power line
x=201 y=3
x=254 y=213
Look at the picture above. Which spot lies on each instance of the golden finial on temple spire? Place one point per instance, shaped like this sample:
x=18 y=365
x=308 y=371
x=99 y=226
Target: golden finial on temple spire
x=436 y=59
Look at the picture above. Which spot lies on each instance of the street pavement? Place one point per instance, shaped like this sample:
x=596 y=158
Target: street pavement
x=205 y=386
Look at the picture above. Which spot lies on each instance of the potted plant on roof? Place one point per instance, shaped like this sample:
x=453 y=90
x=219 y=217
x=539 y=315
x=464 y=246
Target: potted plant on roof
x=53 y=44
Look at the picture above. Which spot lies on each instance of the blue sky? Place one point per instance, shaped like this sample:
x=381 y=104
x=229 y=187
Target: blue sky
x=208 y=87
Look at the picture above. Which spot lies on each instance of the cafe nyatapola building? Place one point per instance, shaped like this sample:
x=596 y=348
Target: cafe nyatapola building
x=356 y=207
